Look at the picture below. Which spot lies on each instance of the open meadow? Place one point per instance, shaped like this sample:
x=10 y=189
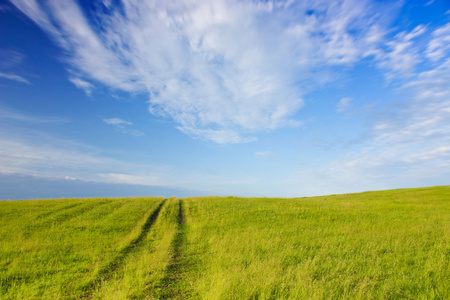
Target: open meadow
x=374 y=245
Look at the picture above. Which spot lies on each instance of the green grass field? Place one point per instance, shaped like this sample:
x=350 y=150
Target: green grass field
x=374 y=245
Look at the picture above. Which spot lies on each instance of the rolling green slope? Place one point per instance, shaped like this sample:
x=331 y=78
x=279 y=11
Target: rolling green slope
x=389 y=244
x=62 y=248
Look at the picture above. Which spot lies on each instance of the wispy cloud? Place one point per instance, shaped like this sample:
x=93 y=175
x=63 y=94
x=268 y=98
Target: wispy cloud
x=117 y=122
x=402 y=54
x=440 y=44
x=41 y=155
x=425 y=117
x=5 y=7
x=10 y=59
x=81 y=84
x=264 y=154
x=224 y=69
x=124 y=126
x=408 y=145
x=14 y=78
x=9 y=114
x=38 y=154
x=343 y=104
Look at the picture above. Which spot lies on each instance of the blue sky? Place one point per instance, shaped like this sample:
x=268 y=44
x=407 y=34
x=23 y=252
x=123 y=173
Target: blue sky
x=250 y=98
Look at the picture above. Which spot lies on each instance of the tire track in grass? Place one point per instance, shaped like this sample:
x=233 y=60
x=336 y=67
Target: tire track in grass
x=106 y=272
x=172 y=285
x=53 y=211
x=64 y=216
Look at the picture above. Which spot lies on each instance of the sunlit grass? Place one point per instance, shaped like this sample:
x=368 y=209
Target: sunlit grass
x=381 y=245
x=375 y=245
x=53 y=248
x=143 y=270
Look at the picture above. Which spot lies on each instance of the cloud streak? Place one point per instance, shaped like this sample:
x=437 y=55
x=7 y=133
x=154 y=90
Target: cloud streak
x=37 y=154
x=117 y=122
x=264 y=154
x=81 y=84
x=14 y=77
x=8 y=114
x=43 y=156
x=343 y=104
x=402 y=54
x=123 y=125
x=440 y=44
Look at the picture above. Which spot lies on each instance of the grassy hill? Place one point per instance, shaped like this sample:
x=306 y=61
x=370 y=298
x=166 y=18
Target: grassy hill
x=387 y=244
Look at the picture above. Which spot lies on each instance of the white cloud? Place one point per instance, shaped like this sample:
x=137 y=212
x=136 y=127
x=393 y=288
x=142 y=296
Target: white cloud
x=117 y=122
x=402 y=54
x=34 y=11
x=425 y=118
x=81 y=84
x=221 y=70
x=440 y=44
x=14 y=77
x=264 y=154
x=423 y=124
x=124 y=126
x=142 y=179
x=343 y=104
x=37 y=154
x=10 y=59
x=8 y=114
